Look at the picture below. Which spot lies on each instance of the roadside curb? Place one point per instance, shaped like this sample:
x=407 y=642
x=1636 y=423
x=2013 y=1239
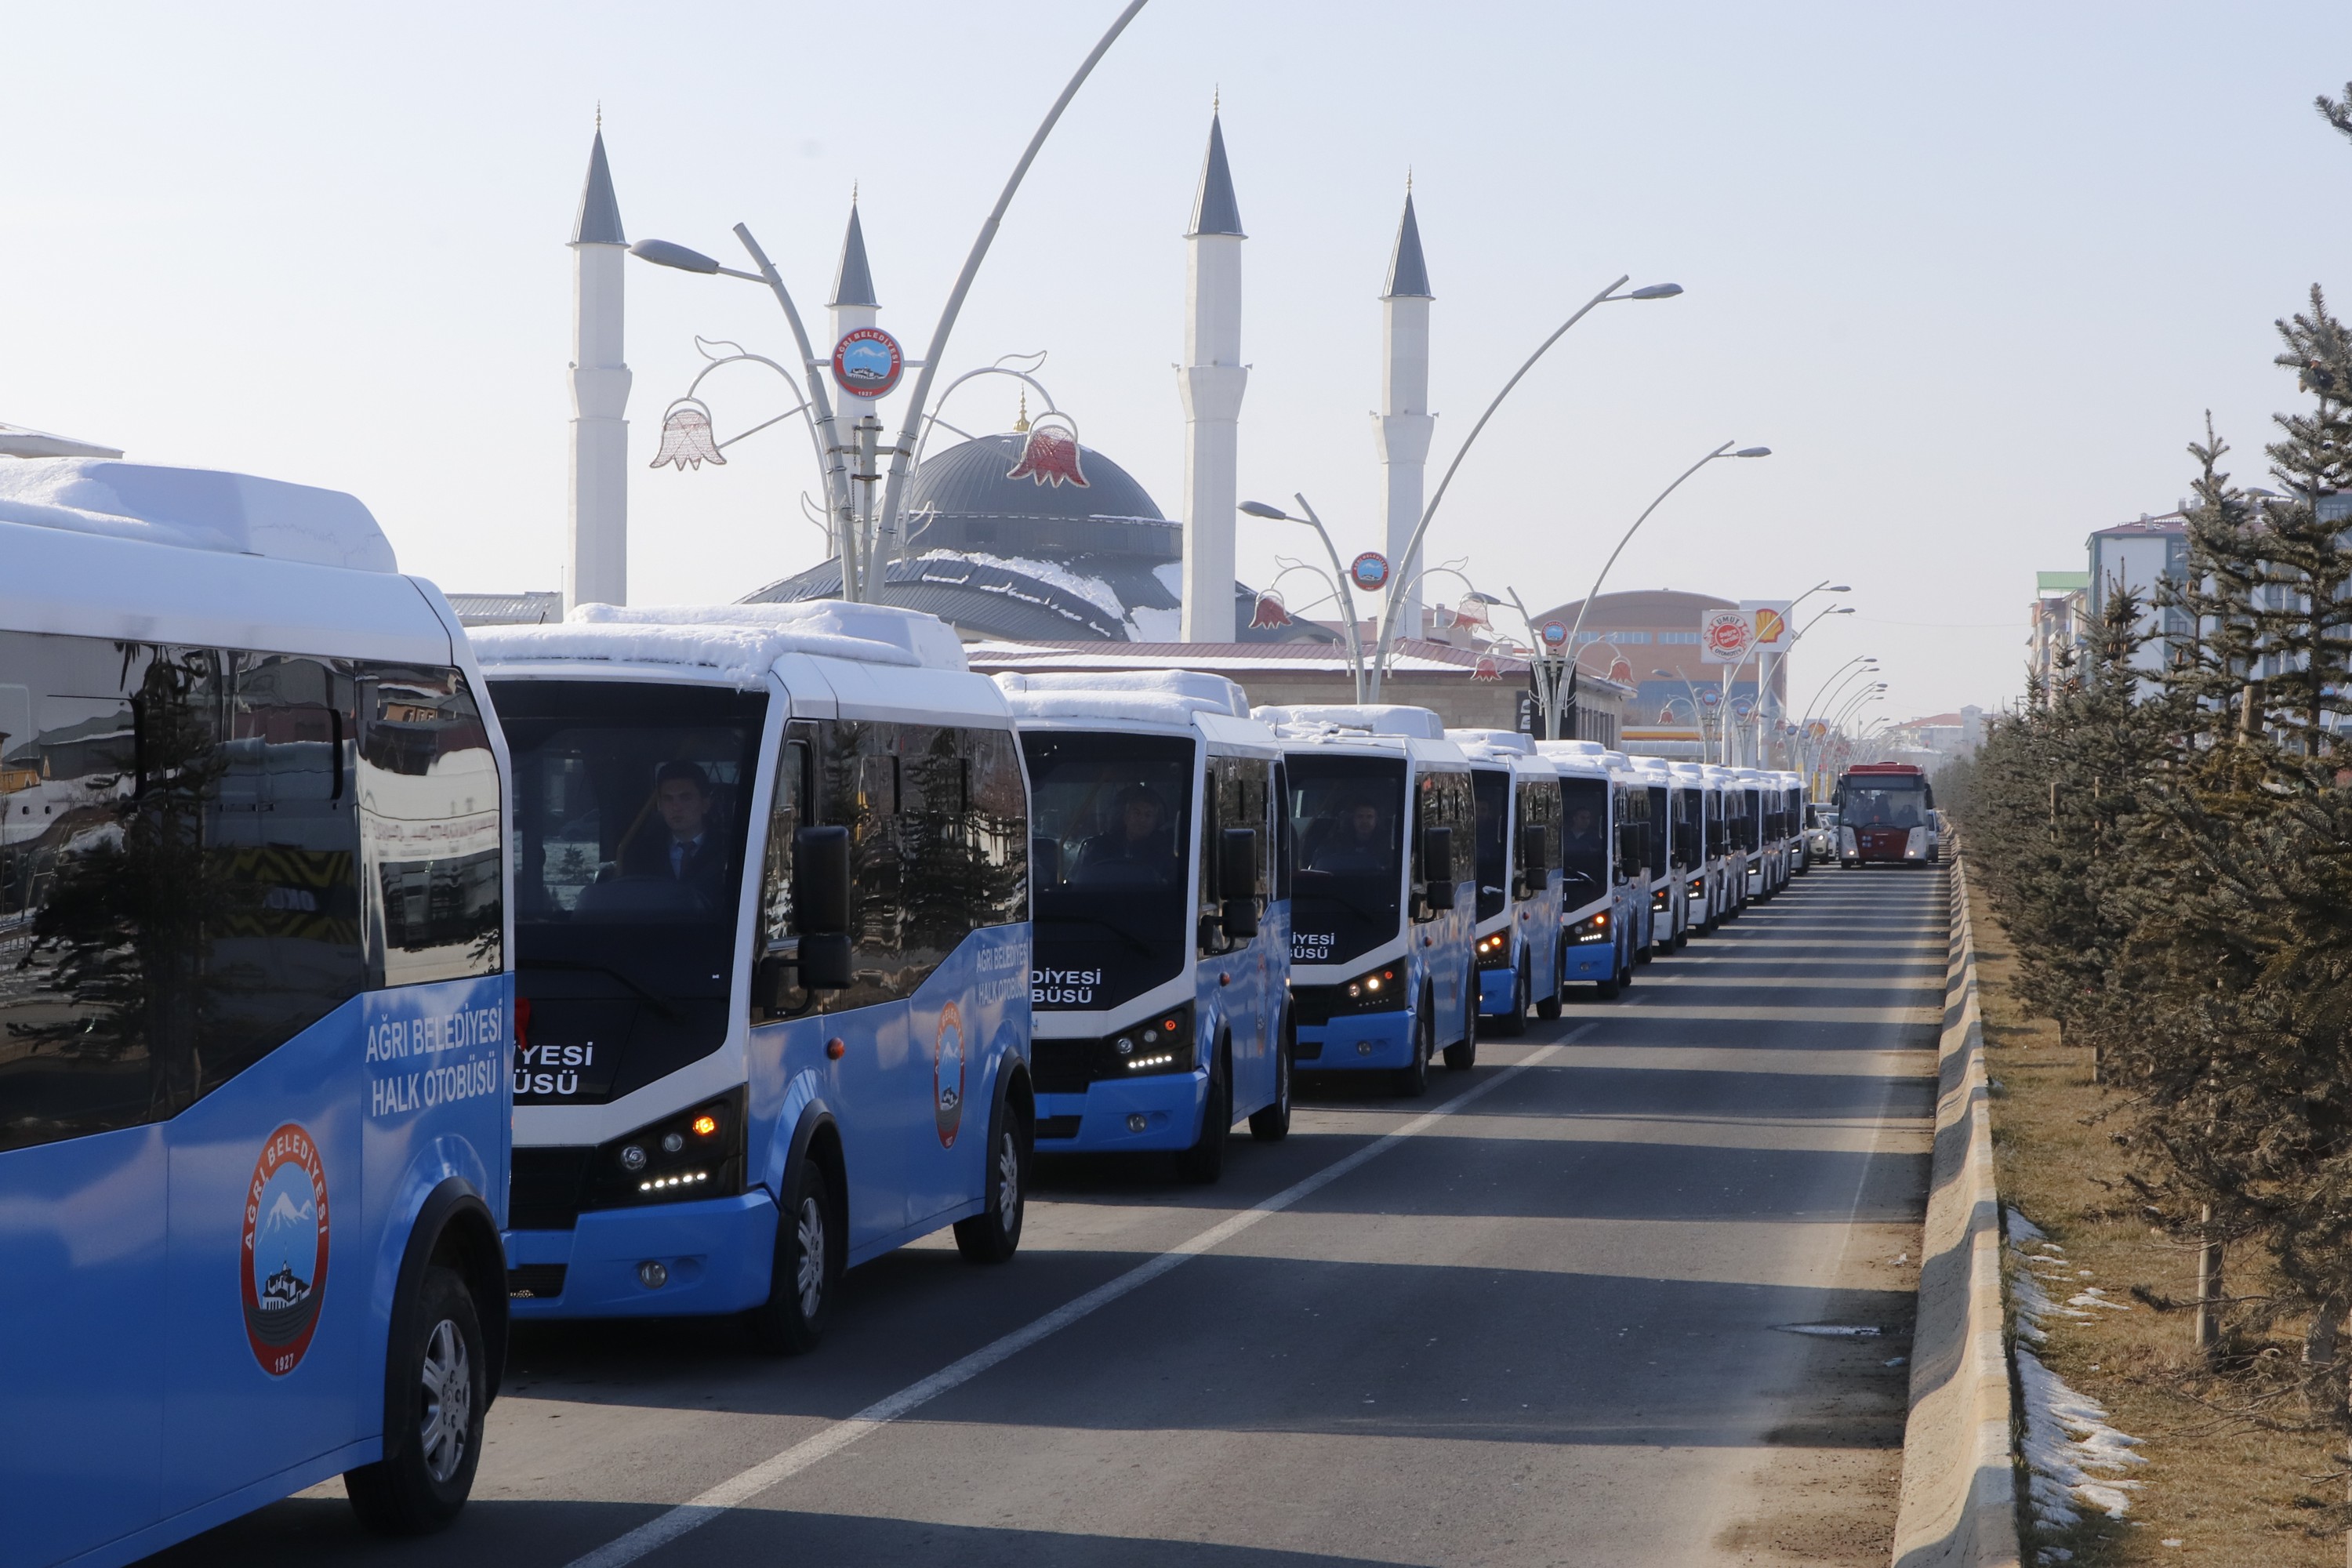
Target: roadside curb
x=1959 y=1504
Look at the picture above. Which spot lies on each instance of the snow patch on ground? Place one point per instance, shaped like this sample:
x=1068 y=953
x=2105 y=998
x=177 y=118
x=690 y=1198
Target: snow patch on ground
x=2074 y=1457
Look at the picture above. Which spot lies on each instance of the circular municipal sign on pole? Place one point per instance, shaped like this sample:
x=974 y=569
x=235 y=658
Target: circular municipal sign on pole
x=1555 y=634
x=1370 y=571
x=866 y=363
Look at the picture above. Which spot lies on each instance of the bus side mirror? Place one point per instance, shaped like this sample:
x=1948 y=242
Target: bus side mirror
x=1046 y=861
x=1237 y=880
x=821 y=906
x=1437 y=866
x=1538 y=857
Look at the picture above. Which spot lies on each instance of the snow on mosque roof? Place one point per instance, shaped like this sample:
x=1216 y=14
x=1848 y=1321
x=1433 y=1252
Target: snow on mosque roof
x=739 y=642
x=196 y=508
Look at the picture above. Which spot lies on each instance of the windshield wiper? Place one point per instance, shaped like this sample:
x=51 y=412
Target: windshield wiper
x=648 y=997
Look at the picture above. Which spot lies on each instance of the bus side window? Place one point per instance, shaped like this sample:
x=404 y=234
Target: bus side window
x=178 y=883
x=861 y=769
x=996 y=824
x=945 y=872
x=429 y=801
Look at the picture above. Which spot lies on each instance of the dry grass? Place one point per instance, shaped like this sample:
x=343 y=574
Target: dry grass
x=2227 y=1492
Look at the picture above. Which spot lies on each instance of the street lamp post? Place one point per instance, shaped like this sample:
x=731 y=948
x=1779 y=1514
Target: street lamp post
x=1861 y=664
x=1765 y=708
x=1568 y=700
x=868 y=532
x=1338 y=574
x=1412 y=545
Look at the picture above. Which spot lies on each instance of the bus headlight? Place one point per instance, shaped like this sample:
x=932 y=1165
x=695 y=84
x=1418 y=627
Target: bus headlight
x=1161 y=1043
x=696 y=1154
x=1592 y=927
x=1494 y=950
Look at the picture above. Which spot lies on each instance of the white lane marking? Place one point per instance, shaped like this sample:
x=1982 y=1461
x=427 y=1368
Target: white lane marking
x=742 y=1486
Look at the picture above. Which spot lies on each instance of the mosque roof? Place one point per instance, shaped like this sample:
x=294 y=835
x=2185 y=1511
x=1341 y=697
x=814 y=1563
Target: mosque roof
x=853 y=283
x=1214 y=211
x=600 y=213
x=1408 y=275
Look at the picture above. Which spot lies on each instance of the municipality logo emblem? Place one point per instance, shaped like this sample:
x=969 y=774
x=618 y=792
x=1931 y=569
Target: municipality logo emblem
x=947 y=1075
x=284 y=1260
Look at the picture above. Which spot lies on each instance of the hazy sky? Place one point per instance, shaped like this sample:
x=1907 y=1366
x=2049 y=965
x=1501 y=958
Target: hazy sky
x=1974 y=272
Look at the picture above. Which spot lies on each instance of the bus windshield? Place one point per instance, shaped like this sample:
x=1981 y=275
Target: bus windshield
x=1111 y=819
x=1890 y=805
x=630 y=806
x=1349 y=813
x=1584 y=838
x=1494 y=797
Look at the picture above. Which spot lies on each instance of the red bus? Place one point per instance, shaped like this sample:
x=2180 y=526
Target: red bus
x=1882 y=815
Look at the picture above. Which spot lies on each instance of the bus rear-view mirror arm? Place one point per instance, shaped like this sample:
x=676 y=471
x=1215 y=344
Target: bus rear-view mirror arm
x=1237 y=881
x=1437 y=861
x=821 y=906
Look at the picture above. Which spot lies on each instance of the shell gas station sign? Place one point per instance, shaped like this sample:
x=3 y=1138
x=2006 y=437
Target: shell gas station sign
x=1735 y=636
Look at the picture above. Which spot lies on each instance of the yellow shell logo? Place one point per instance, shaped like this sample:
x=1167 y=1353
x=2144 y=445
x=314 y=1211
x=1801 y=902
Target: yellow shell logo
x=1770 y=626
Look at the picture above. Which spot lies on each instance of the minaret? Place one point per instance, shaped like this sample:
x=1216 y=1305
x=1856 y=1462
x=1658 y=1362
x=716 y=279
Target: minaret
x=1214 y=380
x=1404 y=420
x=598 y=572
x=852 y=306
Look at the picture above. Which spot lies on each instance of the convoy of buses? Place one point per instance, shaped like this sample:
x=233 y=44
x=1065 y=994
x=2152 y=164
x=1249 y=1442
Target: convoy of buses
x=366 y=984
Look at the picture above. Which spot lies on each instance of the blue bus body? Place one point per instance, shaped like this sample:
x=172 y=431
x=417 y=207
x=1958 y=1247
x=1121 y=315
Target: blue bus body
x=707 y=1121
x=1161 y=990
x=255 y=1011
x=1604 y=904
x=1735 y=846
x=1383 y=898
x=1519 y=879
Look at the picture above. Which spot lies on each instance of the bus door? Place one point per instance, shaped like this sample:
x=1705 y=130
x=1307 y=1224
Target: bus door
x=1239 y=971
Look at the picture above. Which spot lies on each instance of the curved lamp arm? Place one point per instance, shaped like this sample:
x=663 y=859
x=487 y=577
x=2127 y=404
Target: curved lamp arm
x=904 y=449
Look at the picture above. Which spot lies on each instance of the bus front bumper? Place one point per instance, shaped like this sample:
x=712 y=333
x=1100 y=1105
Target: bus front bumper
x=1498 y=991
x=1160 y=1112
x=1355 y=1041
x=1587 y=962
x=711 y=1255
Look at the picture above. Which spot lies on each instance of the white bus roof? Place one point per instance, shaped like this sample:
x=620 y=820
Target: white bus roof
x=733 y=644
x=196 y=508
x=1499 y=741
x=201 y=556
x=1209 y=705
x=1309 y=721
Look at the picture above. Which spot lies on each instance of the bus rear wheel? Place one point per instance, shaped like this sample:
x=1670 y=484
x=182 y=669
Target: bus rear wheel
x=806 y=1270
x=433 y=1415
x=994 y=1235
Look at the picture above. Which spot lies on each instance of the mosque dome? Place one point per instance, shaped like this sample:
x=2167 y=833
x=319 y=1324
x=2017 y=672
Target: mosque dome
x=1011 y=538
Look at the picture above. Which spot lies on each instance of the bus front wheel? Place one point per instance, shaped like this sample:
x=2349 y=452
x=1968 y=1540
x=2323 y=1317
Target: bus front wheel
x=806 y=1270
x=1514 y=1024
x=1205 y=1162
x=433 y=1417
x=1271 y=1123
x=1413 y=1080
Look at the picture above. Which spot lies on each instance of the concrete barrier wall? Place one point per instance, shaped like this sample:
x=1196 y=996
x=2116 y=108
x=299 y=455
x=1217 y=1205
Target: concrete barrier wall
x=1959 y=1507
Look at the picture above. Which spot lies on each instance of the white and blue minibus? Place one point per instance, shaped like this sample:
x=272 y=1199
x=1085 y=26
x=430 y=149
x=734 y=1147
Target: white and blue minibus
x=1668 y=909
x=1599 y=910
x=1383 y=896
x=1517 y=794
x=772 y=937
x=1161 y=983
x=1706 y=903
x=1737 y=842
x=1753 y=787
x=1630 y=804
x=254 y=1004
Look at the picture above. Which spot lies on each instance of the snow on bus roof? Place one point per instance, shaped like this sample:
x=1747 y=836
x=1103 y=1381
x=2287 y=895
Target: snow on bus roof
x=1500 y=741
x=1373 y=718
x=739 y=642
x=196 y=508
x=1155 y=696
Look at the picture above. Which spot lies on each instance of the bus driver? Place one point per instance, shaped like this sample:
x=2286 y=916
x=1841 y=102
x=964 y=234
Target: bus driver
x=1356 y=842
x=692 y=854
x=1138 y=849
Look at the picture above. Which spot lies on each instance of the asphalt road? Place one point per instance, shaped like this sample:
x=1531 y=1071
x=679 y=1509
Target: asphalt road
x=1547 y=1314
